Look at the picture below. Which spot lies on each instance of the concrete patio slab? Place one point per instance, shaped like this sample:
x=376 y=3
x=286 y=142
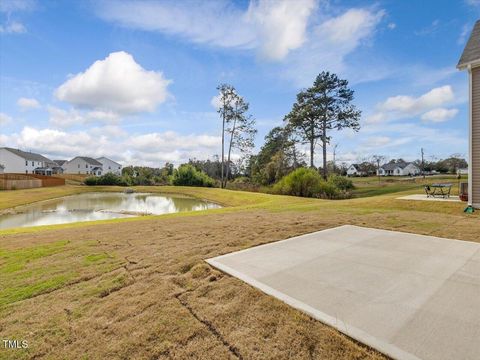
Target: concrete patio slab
x=423 y=197
x=409 y=296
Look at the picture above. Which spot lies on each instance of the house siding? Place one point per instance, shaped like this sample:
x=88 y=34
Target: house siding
x=475 y=160
x=17 y=164
x=78 y=166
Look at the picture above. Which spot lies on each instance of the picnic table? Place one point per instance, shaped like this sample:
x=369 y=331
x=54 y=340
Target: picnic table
x=438 y=190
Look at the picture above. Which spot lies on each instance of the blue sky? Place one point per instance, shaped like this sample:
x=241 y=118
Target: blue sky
x=134 y=80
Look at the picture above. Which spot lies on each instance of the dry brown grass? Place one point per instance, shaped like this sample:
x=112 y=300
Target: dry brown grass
x=141 y=289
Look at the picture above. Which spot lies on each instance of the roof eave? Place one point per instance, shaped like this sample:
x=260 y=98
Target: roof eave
x=470 y=64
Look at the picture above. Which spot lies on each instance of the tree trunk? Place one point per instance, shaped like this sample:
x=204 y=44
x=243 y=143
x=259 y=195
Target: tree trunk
x=312 y=147
x=324 y=146
x=230 y=150
x=223 y=141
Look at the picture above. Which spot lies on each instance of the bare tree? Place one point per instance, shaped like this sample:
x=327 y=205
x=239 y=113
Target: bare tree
x=241 y=128
x=378 y=160
x=227 y=93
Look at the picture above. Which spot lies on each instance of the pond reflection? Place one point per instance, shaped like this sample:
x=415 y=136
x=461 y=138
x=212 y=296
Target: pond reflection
x=100 y=206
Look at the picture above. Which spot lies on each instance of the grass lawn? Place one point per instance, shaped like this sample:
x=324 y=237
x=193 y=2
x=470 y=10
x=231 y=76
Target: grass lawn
x=139 y=288
x=373 y=185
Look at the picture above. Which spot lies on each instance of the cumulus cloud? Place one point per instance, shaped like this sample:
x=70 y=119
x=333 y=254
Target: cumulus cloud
x=5 y=119
x=439 y=115
x=401 y=106
x=272 y=27
x=152 y=149
x=281 y=25
x=116 y=84
x=28 y=103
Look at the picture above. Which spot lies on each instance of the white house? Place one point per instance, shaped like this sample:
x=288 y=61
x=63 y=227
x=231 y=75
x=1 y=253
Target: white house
x=354 y=170
x=83 y=165
x=18 y=161
x=398 y=169
x=110 y=166
x=470 y=61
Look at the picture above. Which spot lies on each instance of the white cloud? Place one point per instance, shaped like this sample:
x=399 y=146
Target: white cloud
x=9 y=6
x=281 y=25
x=5 y=119
x=116 y=84
x=13 y=27
x=152 y=149
x=272 y=27
x=392 y=26
x=28 y=103
x=439 y=115
x=330 y=43
x=401 y=106
x=66 y=118
x=215 y=102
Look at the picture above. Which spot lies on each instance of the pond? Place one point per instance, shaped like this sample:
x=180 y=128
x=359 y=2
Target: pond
x=100 y=206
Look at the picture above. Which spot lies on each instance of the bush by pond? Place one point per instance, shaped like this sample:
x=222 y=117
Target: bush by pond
x=307 y=182
x=187 y=175
x=107 y=179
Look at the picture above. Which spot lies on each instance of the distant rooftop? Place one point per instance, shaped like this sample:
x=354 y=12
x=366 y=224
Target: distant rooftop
x=90 y=160
x=471 y=53
x=28 y=155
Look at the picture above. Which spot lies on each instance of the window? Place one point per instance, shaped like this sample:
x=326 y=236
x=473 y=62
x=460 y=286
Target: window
x=26 y=163
x=86 y=166
x=79 y=166
x=26 y=171
x=33 y=163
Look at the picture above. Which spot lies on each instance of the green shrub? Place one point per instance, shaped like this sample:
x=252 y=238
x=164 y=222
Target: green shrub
x=341 y=182
x=187 y=175
x=309 y=183
x=301 y=182
x=90 y=181
x=107 y=179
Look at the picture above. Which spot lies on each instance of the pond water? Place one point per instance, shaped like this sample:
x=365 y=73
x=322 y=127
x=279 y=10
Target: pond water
x=99 y=206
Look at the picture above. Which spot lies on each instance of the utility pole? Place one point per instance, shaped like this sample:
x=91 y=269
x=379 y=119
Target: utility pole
x=423 y=163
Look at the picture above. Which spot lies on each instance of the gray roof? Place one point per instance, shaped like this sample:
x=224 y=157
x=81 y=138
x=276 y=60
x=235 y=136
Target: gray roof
x=27 y=155
x=393 y=166
x=103 y=157
x=89 y=160
x=471 y=53
x=60 y=162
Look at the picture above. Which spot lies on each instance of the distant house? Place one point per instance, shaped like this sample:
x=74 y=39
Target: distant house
x=83 y=165
x=110 y=166
x=354 y=170
x=400 y=168
x=18 y=161
x=462 y=171
x=58 y=168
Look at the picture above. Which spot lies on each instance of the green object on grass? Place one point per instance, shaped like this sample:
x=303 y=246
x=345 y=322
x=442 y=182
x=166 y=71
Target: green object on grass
x=469 y=210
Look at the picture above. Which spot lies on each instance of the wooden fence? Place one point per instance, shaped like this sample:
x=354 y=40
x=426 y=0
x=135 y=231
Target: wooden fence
x=27 y=181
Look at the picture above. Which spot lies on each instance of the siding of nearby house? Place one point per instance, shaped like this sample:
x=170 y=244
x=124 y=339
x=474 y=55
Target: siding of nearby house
x=411 y=169
x=78 y=166
x=475 y=160
x=16 y=164
x=110 y=166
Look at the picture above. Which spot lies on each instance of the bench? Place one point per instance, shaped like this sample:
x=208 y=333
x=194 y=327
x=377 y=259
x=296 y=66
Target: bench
x=438 y=190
